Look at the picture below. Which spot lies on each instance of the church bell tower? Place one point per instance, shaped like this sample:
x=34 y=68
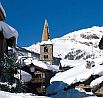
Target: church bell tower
x=46 y=46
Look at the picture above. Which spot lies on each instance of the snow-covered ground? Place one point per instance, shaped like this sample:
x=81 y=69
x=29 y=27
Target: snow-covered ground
x=73 y=93
x=21 y=95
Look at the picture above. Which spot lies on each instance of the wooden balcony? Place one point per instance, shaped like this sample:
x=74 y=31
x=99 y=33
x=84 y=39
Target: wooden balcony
x=38 y=80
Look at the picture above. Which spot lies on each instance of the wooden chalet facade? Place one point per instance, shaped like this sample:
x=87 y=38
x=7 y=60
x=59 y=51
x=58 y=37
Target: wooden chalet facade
x=2 y=17
x=40 y=78
x=5 y=42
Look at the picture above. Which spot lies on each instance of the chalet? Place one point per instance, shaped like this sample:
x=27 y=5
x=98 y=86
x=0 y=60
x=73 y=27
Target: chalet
x=41 y=79
x=41 y=74
x=8 y=35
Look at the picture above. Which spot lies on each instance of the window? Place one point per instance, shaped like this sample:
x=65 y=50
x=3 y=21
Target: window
x=45 y=49
x=45 y=56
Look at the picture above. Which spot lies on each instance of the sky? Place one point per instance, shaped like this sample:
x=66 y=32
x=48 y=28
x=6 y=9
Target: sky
x=63 y=16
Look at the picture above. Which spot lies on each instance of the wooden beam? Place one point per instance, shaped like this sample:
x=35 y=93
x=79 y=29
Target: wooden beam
x=2 y=17
x=37 y=80
x=1 y=46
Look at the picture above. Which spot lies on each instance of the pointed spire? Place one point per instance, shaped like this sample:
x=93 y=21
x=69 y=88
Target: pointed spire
x=46 y=23
x=45 y=35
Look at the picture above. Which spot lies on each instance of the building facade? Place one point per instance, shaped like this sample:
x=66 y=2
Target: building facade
x=8 y=35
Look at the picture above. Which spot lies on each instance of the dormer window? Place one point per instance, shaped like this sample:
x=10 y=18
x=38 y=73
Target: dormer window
x=45 y=49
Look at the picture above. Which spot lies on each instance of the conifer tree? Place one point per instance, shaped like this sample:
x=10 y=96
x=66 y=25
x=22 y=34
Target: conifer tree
x=9 y=82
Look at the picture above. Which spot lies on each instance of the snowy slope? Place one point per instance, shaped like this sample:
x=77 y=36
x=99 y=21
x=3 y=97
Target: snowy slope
x=76 y=45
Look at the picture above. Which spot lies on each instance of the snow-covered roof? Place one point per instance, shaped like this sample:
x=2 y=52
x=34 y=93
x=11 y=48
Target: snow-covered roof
x=78 y=74
x=35 y=62
x=8 y=31
x=96 y=81
x=25 y=77
x=2 y=9
x=41 y=64
x=46 y=42
x=72 y=63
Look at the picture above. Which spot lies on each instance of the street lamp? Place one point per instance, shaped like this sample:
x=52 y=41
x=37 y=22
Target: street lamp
x=32 y=69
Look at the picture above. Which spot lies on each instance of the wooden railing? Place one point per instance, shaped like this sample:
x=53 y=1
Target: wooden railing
x=38 y=80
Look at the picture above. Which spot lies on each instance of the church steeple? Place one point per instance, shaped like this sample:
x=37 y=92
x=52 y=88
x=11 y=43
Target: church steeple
x=45 y=35
x=46 y=46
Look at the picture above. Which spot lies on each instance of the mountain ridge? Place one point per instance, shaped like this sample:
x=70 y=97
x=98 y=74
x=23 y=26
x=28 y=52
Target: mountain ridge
x=75 y=45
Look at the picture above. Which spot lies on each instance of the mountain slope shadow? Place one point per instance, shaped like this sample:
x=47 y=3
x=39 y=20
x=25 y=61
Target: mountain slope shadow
x=57 y=90
x=72 y=93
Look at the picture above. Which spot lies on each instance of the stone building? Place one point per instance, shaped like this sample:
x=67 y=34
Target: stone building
x=46 y=46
